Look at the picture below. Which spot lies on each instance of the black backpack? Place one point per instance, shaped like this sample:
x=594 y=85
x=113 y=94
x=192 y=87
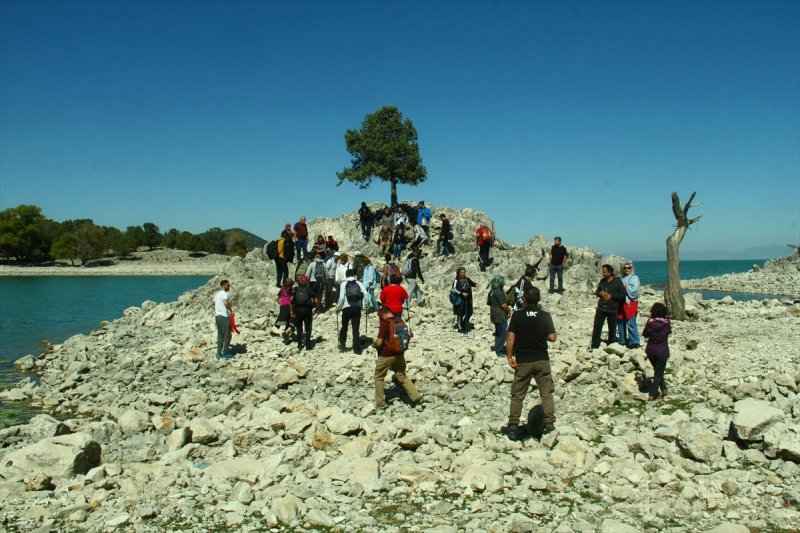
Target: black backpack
x=272 y=249
x=302 y=296
x=319 y=271
x=353 y=293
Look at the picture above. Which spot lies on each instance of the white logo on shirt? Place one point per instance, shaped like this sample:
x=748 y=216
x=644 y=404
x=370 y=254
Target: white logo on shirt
x=531 y=313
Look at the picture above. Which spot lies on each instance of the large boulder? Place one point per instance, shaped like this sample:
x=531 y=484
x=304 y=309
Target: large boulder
x=752 y=417
x=57 y=457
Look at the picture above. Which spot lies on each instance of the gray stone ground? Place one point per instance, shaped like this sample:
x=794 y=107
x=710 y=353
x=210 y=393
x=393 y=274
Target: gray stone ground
x=155 y=434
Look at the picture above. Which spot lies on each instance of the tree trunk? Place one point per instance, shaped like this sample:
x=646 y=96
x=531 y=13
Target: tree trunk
x=394 y=192
x=673 y=295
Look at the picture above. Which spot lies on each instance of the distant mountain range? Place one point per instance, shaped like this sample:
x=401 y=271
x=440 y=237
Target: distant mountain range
x=769 y=251
x=253 y=241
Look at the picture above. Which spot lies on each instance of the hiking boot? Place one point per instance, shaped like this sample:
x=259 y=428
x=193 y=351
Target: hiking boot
x=547 y=430
x=227 y=356
x=342 y=347
x=513 y=432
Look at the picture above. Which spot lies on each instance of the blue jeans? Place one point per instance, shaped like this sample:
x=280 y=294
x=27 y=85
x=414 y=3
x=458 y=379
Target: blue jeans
x=398 y=248
x=628 y=331
x=556 y=271
x=500 y=333
x=443 y=244
x=302 y=246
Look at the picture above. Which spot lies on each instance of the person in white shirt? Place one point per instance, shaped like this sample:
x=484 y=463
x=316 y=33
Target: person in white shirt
x=222 y=311
x=352 y=299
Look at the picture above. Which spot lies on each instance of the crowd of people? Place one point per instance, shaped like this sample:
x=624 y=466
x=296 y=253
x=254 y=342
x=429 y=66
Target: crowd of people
x=327 y=278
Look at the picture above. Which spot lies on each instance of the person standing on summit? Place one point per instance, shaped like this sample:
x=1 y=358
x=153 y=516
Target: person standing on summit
x=301 y=234
x=365 y=217
x=556 y=263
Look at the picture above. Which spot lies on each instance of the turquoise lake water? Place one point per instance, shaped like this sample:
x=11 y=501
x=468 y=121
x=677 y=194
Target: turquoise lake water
x=54 y=308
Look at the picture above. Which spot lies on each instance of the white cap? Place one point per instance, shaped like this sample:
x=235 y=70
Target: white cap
x=357 y=252
x=335 y=254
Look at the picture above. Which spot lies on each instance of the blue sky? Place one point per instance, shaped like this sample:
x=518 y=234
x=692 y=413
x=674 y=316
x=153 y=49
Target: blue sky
x=576 y=119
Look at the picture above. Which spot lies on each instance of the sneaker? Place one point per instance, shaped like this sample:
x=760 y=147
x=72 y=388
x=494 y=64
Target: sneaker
x=227 y=356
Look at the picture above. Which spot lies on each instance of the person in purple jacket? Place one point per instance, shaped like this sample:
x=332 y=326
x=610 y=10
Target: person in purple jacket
x=657 y=330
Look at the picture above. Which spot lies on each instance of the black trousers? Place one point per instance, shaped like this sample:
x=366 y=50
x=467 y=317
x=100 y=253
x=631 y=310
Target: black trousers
x=350 y=315
x=303 y=317
x=659 y=383
x=366 y=229
x=281 y=270
x=601 y=316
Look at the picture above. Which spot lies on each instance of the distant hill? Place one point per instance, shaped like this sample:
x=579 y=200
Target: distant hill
x=253 y=240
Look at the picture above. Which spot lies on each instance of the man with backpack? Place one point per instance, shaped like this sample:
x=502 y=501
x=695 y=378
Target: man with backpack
x=484 y=240
x=391 y=343
x=301 y=311
x=352 y=298
x=412 y=271
x=524 y=283
x=365 y=217
x=529 y=331
x=317 y=274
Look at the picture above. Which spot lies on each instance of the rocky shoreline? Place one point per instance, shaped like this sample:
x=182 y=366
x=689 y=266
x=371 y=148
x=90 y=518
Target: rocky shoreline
x=156 y=434
x=778 y=276
x=158 y=262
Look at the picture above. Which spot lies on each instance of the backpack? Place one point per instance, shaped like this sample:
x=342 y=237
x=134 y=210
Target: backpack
x=319 y=271
x=393 y=271
x=302 y=296
x=353 y=293
x=399 y=336
x=511 y=296
x=272 y=249
x=408 y=266
x=358 y=267
x=486 y=234
x=302 y=266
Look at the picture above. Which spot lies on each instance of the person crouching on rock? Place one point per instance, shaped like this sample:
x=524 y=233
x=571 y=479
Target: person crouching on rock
x=284 y=320
x=529 y=331
x=391 y=344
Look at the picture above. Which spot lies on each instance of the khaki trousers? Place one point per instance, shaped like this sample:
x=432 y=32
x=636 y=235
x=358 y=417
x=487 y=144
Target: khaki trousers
x=397 y=364
x=540 y=371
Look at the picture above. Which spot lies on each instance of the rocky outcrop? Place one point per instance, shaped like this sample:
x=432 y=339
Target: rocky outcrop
x=277 y=438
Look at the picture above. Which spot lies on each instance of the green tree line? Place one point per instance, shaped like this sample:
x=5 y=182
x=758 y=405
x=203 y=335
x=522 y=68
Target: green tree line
x=28 y=236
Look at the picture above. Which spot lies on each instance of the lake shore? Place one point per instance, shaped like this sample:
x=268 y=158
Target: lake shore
x=151 y=263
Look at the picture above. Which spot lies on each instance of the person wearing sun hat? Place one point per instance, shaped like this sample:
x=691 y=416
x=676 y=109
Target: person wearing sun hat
x=626 y=323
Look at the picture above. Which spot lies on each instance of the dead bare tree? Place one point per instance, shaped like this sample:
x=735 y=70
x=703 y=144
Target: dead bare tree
x=673 y=296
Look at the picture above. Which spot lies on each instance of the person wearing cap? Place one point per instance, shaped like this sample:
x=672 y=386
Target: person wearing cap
x=302 y=311
x=424 y=220
x=626 y=319
x=352 y=299
x=358 y=266
x=556 y=263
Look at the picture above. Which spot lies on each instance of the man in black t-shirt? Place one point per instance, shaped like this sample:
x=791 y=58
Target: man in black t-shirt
x=526 y=350
x=558 y=260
